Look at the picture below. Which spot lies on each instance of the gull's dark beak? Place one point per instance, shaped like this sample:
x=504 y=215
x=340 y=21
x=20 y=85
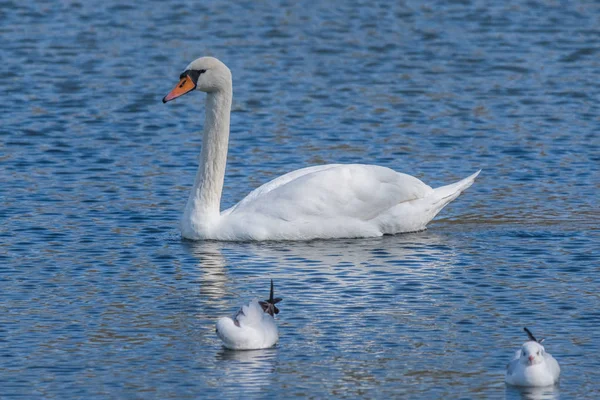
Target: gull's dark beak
x=186 y=84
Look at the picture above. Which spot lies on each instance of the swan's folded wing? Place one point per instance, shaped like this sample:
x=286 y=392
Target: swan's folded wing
x=277 y=182
x=332 y=191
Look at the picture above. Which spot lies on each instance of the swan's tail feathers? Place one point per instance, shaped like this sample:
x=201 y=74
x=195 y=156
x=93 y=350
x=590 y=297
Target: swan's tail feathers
x=413 y=216
x=445 y=194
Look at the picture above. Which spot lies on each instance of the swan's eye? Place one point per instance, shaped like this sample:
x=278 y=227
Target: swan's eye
x=538 y=353
x=193 y=74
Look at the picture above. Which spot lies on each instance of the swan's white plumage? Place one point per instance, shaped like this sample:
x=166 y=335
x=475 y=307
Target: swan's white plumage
x=257 y=329
x=326 y=201
x=333 y=190
x=333 y=201
x=541 y=370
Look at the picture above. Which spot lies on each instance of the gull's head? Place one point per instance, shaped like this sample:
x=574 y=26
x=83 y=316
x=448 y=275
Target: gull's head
x=206 y=74
x=532 y=353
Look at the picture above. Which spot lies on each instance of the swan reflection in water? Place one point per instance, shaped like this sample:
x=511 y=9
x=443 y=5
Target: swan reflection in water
x=425 y=245
x=340 y=261
x=417 y=254
x=212 y=268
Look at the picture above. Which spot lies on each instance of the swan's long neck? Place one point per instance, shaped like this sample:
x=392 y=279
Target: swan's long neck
x=204 y=203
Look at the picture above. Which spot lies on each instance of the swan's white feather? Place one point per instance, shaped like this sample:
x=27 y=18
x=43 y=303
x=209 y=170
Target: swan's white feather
x=335 y=201
x=277 y=182
x=255 y=329
x=334 y=190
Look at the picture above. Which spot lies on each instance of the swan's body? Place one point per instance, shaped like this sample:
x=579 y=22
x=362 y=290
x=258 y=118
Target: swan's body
x=326 y=201
x=253 y=327
x=532 y=366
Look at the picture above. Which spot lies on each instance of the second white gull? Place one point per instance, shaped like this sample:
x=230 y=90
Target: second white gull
x=532 y=366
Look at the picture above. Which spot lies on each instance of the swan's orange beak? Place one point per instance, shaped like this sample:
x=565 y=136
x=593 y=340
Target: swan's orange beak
x=185 y=85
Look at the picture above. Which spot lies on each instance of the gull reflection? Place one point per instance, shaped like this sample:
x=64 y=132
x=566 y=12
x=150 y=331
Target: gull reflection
x=532 y=393
x=247 y=369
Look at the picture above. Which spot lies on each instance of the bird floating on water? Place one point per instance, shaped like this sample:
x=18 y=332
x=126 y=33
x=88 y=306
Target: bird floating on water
x=252 y=327
x=532 y=365
x=318 y=202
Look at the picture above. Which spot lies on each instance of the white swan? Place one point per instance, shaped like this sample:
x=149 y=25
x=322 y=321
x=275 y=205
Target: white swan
x=532 y=366
x=325 y=201
x=253 y=327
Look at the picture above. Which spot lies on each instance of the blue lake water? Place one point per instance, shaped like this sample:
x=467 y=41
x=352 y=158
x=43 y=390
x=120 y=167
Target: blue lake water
x=101 y=298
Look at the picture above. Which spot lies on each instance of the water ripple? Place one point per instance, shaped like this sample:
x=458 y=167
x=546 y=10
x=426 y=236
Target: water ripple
x=101 y=298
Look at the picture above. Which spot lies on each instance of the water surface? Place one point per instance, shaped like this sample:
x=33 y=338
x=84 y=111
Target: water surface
x=100 y=297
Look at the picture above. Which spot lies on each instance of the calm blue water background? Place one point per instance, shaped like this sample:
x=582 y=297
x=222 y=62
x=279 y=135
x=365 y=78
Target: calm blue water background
x=99 y=296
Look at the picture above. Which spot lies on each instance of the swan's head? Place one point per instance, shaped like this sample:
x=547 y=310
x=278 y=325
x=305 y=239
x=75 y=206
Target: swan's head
x=206 y=74
x=532 y=353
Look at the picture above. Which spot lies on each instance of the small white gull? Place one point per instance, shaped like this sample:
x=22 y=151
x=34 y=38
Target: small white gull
x=252 y=327
x=532 y=366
